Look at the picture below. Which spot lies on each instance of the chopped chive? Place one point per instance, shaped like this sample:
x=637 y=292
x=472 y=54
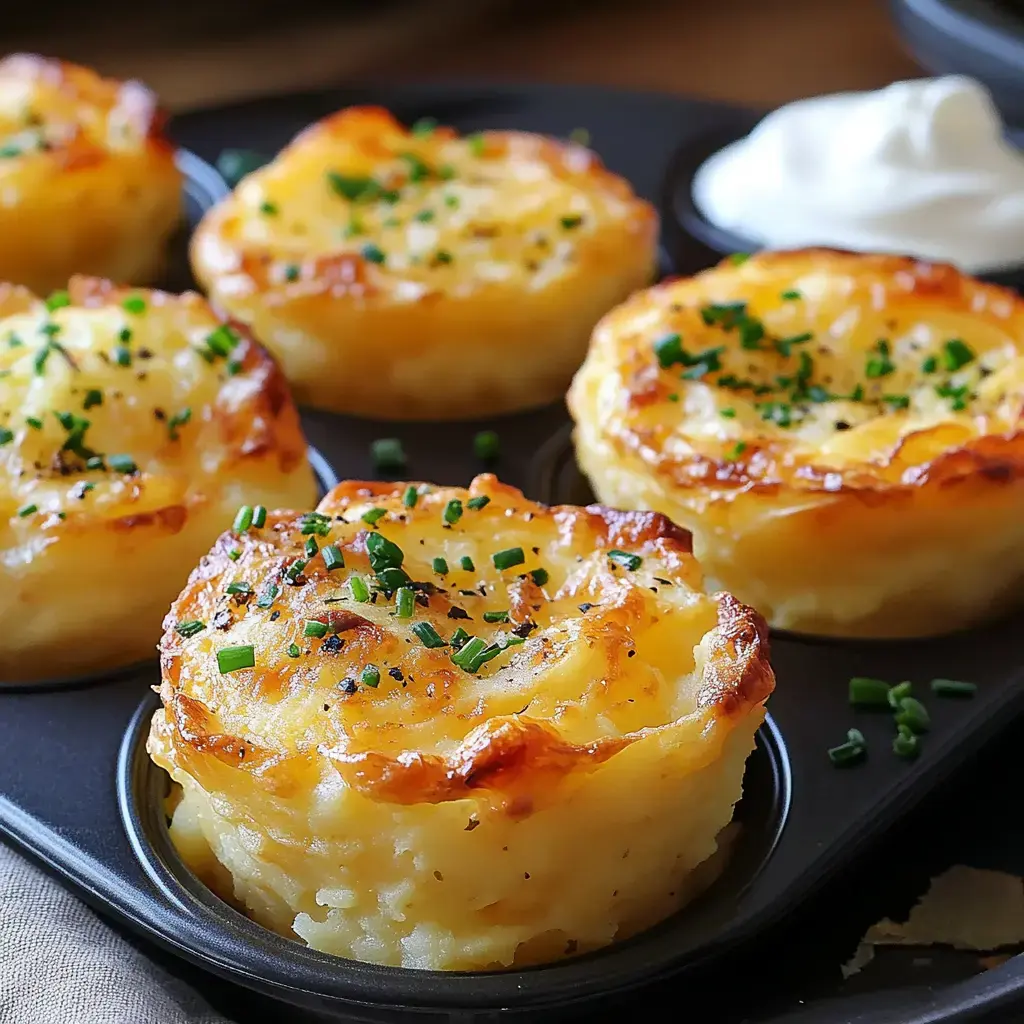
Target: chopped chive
x=953 y=688
x=291 y=272
x=879 y=365
x=259 y=516
x=955 y=354
x=930 y=365
x=373 y=253
x=905 y=743
x=234 y=554
x=34 y=422
x=353 y=187
x=266 y=599
x=388 y=453
x=855 y=736
x=221 y=341
x=243 y=519
x=913 y=714
x=459 y=637
x=134 y=304
x=269 y=208
x=897 y=401
x=373 y=515
x=847 y=754
x=727 y=413
x=486 y=445
x=311 y=546
x=58 y=299
x=570 y=221
x=238 y=587
x=189 y=628
x=293 y=651
x=405 y=602
x=122 y=356
x=866 y=692
x=482 y=501
x=314 y=628
x=625 y=559
x=428 y=636
x=469 y=652
x=898 y=693
x=178 y=419
x=424 y=216
x=739 y=258
x=384 y=554
x=453 y=511
x=442 y=256
x=790 y=296
x=27 y=510
x=440 y=566
x=452 y=202
x=736 y=451
x=410 y=497
x=423 y=127
x=507 y=558
x=333 y=558
x=370 y=676
x=669 y=350
x=495 y=616
x=294 y=570
x=231 y=659
x=39 y=361
x=6 y=436
x=466 y=563
x=315 y=522
x=122 y=463
x=540 y=576
x=360 y=591
x=124 y=335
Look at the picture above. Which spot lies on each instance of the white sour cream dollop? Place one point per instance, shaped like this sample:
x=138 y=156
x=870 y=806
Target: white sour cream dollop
x=919 y=168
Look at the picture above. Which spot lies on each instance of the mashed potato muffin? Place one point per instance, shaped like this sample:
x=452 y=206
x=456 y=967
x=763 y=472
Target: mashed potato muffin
x=88 y=182
x=132 y=425
x=840 y=432
x=454 y=729
x=419 y=275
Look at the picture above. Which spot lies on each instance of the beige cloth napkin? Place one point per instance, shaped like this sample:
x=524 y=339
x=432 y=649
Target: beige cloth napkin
x=60 y=964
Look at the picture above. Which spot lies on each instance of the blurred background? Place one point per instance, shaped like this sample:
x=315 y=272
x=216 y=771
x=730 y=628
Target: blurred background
x=202 y=52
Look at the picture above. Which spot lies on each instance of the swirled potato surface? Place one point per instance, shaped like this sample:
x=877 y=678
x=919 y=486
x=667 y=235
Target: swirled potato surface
x=450 y=276
x=133 y=424
x=88 y=182
x=454 y=729
x=841 y=433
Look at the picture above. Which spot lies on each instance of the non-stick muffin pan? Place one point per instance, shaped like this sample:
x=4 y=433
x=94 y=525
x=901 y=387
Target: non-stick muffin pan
x=78 y=792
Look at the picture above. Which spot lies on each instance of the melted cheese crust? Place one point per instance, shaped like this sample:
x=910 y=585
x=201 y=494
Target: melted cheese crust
x=831 y=444
x=452 y=277
x=88 y=182
x=429 y=814
x=93 y=556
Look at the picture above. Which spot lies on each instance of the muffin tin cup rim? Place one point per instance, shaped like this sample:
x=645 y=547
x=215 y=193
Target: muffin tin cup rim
x=642 y=959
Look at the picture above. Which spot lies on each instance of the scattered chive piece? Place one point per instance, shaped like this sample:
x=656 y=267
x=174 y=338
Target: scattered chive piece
x=370 y=676
x=222 y=340
x=243 y=519
x=898 y=693
x=540 y=576
x=423 y=127
x=459 y=637
x=429 y=636
x=913 y=714
x=373 y=515
x=469 y=652
x=466 y=563
x=570 y=221
x=509 y=557
x=791 y=296
x=410 y=497
x=905 y=743
x=453 y=511
x=495 y=616
x=477 y=143
x=736 y=451
x=442 y=256
x=738 y=258
x=312 y=548
x=315 y=522
x=440 y=566
x=855 y=736
x=953 y=688
x=847 y=754
x=27 y=510
x=360 y=591
x=266 y=599
x=314 y=628
x=291 y=272
x=930 y=365
x=333 y=558
x=190 y=628
x=179 y=419
x=6 y=436
x=293 y=651
x=955 y=353
x=424 y=216
x=388 y=453
x=122 y=356
x=269 y=208
x=125 y=335
x=35 y=423
x=134 y=304
x=625 y=559
x=486 y=445
x=239 y=587
x=867 y=692
x=295 y=570
x=373 y=253
x=478 y=503
x=405 y=602
x=58 y=299
x=669 y=350
x=879 y=365
x=39 y=362
x=122 y=463
x=259 y=516
x=234 y=554
x=231 y=659
x=727 y=413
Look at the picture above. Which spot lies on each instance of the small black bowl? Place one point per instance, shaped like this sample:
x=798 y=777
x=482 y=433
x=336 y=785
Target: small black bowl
x=719 y=241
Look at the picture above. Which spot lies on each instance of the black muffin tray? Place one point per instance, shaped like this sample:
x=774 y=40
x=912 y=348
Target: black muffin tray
x=78 y=793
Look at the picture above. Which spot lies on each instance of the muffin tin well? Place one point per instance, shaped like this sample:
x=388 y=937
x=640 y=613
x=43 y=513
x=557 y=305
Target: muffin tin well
x=78 y=792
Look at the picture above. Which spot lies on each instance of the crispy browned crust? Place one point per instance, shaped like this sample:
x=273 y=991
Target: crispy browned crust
x=771 y=466
x=515 y=756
